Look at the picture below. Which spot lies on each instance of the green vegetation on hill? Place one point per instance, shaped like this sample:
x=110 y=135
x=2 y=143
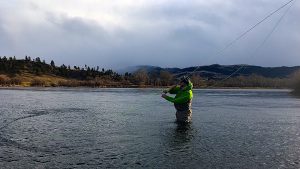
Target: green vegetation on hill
x=35 y=72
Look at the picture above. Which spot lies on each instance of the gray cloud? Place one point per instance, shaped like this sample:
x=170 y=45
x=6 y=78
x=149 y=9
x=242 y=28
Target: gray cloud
x=166 y=34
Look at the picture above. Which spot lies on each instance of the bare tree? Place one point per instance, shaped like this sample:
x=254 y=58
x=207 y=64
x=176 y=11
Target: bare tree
x=165 y=77
x=296 y=82
x=141 y=77
x=198 y=81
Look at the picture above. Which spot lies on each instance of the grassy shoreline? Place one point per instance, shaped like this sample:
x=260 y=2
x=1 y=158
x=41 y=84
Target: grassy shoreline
x=50 y=81
x=29 y=80
x=139 y=87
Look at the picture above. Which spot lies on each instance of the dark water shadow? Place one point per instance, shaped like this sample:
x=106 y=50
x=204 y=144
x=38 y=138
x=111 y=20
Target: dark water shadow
x=11 y=143
x=8 y=142
x=36 y=113
x=32 y=114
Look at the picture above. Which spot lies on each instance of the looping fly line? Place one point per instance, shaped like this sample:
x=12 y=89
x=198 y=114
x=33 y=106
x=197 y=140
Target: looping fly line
x=249 y=30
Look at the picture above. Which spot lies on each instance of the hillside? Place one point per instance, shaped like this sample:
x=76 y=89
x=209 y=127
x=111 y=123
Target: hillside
x=222 y=71
x=34 y=72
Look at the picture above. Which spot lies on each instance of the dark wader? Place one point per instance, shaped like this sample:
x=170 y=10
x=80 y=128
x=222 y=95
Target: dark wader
x=184 y=112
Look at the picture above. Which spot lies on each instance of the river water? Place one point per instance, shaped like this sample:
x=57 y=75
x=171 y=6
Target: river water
x=135 y=128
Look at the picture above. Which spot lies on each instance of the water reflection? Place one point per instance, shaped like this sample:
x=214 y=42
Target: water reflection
x=178 y=145
x=179 y=137
x=183 y=133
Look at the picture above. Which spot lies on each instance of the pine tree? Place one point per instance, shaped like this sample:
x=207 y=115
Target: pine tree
x=52 y=63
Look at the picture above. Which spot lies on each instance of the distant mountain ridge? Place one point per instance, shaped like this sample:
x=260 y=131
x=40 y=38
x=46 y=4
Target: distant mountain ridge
x=217 y=71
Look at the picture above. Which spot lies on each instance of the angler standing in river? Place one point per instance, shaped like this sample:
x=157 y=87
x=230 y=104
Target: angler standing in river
x=183 y=99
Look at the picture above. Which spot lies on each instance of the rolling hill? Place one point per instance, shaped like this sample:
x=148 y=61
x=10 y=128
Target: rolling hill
x=216 y=71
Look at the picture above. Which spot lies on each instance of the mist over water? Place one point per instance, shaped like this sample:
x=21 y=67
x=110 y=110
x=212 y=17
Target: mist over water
x=135 y=128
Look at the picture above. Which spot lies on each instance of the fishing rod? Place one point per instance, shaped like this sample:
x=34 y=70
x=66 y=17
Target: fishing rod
x=259 y=46
x=219 y=53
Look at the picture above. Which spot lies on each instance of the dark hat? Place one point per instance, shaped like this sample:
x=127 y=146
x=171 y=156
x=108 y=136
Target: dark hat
x=185 y=79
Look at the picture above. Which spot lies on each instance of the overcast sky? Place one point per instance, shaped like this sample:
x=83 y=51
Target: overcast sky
x=167 y=33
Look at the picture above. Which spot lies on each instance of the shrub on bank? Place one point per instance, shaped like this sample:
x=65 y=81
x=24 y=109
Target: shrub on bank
x=38 y=82
x=4 y=80
x=7 y=81
x=15 y=81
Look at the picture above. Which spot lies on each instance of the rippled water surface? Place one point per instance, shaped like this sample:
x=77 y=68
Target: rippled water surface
x=134 y=128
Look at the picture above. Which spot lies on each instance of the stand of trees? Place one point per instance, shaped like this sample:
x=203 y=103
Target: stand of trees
x=255 y=81
x=12 y=71
x=36 y=72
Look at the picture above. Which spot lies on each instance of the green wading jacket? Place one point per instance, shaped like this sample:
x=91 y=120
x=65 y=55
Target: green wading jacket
x=183 y=97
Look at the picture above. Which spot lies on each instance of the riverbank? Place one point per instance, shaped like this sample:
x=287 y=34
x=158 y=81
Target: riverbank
x=51 y=80
x=30 y=80
x=142 y=87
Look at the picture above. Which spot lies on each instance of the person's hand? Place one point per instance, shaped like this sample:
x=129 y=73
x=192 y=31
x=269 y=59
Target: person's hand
x=163 y=95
